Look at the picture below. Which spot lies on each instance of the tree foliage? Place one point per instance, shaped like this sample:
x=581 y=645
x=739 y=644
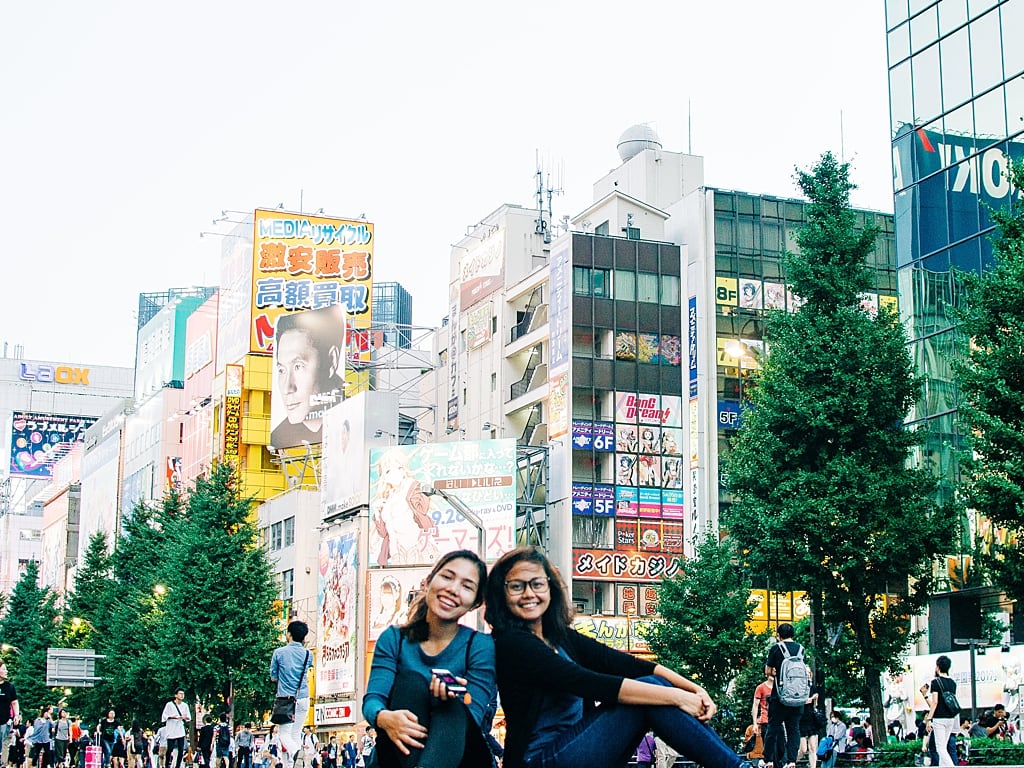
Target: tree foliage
x=824 y=498
x=31 y=626
x=990 y=375
x=702 y=631
x=187 y=601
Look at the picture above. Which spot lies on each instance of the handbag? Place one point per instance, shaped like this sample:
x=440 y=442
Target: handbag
x=825 y=746
x=283 y=710
x=949 y=699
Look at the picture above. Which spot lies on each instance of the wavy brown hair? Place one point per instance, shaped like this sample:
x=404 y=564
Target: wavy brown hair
x=416 y=629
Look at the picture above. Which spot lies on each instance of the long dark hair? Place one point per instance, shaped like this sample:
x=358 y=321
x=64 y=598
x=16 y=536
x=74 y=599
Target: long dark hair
x=557 y=619
x=416 y=629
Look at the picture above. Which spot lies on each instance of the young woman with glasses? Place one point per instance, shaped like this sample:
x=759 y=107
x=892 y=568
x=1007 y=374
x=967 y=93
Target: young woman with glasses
x=549 y=675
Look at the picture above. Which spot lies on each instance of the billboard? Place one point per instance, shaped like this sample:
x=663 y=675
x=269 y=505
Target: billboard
x=308 y=262
x=409 y=527
x=308 y=375
x=608 y=565
x=38 y=440
x=351 y=428
x=336 y=612
x=480 y=269
x=389 y=594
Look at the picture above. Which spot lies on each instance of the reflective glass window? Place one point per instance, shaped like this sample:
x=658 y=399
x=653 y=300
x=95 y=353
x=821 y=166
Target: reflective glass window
x=934 y=233
x=917 y=5
x=901 y=96
x=978 y=7
x=924 y=29
x=963 y=204
x=899 y=43
x=772 y=236
x=748 y=234
x=952 y=13
x=986 y=56
x=956 y=69
x=990 y=117
x=1013 y=22
x=581 y=281
x=725 y=230
x=927 y=90
x=987 y=255
x=670 y=290
x=647 y=287
x=960 y=123
x=895 y=12
x=625 y=285
x=1015 y=103
x=965 y=256
x=602 y=282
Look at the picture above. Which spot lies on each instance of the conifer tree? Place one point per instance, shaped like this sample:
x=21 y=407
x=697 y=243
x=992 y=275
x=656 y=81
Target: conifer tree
x=30 y=625
x=826 y=501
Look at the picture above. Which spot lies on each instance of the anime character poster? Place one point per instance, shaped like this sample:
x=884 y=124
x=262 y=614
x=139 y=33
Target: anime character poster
x=389 y=594
x=412 y=523
x=336 y=613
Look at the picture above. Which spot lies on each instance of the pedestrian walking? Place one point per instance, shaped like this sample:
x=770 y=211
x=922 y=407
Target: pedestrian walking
x=941 y=714
x=175 y=717
x=290 y=668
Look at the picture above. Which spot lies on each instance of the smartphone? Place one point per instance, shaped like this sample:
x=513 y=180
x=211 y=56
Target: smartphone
x=449 y=680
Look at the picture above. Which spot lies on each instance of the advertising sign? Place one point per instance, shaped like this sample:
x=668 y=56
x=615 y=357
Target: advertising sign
x=309 y=374
x=605 y=565
x=308 y=262
x=558 y=313
x=453 y=359
x=38 y=440
x=389 y=594
x=336 y=609
x=558 y=404
x=480 y=270
x=232 y=410
x=691 y=343
x=411 y=527
x=593 y=499
x=351 y=428
x=634 y=408
x=478 y=326
x=596 y=435
x=621 y=633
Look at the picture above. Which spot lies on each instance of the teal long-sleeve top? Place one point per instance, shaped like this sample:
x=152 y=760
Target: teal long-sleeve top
x=390 y=654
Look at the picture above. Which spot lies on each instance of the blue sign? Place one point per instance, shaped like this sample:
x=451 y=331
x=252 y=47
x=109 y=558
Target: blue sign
x=691 y=342
x=589 y=435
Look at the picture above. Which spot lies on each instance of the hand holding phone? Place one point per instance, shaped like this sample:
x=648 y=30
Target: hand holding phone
x=451 y=683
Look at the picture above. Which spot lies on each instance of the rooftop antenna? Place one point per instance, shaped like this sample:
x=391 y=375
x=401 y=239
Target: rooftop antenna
x=545 y=218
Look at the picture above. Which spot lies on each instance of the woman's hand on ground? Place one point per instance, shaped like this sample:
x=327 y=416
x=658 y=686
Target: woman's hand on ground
x=403 y=728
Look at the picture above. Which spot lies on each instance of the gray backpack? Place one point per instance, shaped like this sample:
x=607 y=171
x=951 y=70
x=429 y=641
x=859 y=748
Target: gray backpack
x=794 y=685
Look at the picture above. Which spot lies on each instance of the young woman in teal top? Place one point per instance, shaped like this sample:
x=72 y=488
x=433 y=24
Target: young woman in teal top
x=420 y=722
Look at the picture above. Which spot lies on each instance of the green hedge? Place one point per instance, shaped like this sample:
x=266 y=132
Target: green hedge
x=983 y=752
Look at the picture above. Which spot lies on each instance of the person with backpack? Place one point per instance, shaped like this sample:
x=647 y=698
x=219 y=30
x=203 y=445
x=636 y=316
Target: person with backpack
x=792 y=690
x=222 y=739
x=944 y=710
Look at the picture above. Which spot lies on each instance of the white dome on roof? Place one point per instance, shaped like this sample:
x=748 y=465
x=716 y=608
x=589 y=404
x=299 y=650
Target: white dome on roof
x=636 y=139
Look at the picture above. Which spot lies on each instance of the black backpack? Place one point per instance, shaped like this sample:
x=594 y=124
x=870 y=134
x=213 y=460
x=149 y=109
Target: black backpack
x=224 y=735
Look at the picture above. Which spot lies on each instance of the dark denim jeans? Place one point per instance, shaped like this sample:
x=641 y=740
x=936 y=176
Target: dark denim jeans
x=607 y=736
x=782 y=744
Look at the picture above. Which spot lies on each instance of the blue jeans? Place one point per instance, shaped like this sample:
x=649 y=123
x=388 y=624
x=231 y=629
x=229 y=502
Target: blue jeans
x=606 y=737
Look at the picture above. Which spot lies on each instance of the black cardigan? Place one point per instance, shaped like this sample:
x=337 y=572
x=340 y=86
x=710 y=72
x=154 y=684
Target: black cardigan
x=528 y=667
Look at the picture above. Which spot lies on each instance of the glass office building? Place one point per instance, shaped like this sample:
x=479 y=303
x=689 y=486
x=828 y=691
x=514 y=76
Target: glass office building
x=392 y=313
x=956 y=86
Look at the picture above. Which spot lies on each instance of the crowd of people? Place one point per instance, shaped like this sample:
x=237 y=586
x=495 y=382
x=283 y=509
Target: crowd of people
x=433 y=690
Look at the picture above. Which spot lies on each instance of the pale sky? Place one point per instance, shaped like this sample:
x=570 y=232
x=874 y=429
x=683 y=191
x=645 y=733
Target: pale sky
x=127 y=127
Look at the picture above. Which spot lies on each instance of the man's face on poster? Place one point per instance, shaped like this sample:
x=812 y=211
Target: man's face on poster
x=298 y=368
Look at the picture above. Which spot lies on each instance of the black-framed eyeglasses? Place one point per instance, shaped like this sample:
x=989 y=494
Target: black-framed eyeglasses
x=538 y=586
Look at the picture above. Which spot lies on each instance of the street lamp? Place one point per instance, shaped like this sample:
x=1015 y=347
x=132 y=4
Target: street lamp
x=972 y=643
x=466 y=512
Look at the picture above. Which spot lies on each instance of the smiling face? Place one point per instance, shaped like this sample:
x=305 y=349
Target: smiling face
x=298 y=365
x=454 y=589
x=529 y=606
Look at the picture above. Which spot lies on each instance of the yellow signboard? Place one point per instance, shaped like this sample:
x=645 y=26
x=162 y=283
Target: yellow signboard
x=773 y=608
x=308 y=262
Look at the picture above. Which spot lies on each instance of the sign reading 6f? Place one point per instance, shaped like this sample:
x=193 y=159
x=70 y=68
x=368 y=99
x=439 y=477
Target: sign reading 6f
x=60 y=374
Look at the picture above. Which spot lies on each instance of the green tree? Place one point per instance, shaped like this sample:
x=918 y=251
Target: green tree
x=86 y=607
x=217 y=630
x=990 y=375
x=825 y=499
x=30 y=625
x=133 y=662
x=702 y=631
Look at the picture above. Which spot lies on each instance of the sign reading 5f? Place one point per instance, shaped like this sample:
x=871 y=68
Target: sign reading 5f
x=61 y=374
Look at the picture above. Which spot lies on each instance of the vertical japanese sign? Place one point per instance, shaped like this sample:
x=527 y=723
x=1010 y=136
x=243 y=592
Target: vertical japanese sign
x=308 y=262
x=410 y=527
x=453 y=358
x=38 y=440
x=336 y=604
x=232 y=410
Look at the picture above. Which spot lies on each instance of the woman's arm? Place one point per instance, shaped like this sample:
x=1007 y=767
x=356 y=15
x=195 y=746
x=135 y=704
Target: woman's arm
x=637 y=692
x=480 y=677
